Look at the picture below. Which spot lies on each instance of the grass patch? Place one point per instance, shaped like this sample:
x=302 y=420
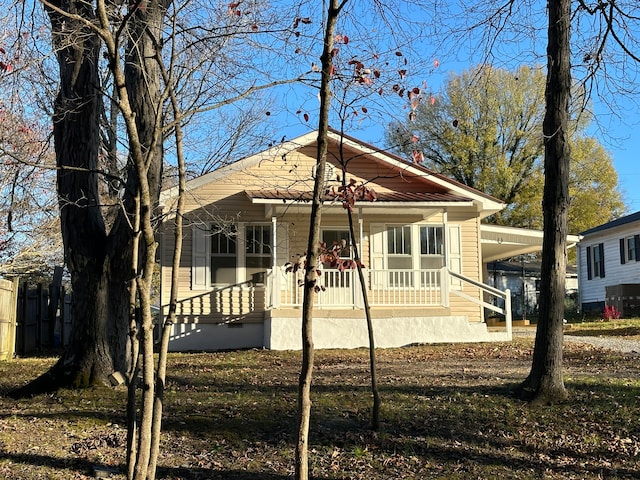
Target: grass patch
x=447 y=413
x=618 y=328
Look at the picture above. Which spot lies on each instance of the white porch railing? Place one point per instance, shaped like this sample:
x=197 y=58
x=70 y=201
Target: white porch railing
x=405 y=287
x=413 y=288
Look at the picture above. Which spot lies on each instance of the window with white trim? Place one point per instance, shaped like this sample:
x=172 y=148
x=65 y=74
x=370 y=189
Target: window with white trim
x=258 y=249
x=595 y=261
x=399 y=255
x=431 y=247
x=399 y=247
x=223 y=257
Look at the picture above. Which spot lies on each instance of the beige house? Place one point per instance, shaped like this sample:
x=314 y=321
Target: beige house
x=421 y=242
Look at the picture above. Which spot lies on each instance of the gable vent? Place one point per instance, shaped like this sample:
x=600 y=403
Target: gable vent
x=329 y=172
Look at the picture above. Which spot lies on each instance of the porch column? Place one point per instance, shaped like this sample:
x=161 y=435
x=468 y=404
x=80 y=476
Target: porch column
x=358 y=300
x=274 y=241
x=274 y=284
x=445 y=240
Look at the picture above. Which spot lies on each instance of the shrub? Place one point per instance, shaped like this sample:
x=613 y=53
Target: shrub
x=610 y=313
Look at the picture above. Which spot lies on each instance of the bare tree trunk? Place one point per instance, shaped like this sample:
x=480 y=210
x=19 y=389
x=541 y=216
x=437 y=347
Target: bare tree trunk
x=545 y=383
x=313 y=246
x=141 y=106
x=173 y=296
x=375 y=410
x=93 y=257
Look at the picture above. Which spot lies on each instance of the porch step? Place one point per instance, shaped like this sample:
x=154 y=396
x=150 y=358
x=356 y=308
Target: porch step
x=499 y=322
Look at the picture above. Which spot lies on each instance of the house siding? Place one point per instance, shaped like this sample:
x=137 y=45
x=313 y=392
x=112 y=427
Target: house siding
x=593 y=290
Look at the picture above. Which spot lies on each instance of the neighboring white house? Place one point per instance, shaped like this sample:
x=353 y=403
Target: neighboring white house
x=608 y=265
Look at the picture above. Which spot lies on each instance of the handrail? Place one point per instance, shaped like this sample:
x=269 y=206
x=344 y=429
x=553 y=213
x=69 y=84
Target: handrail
x=505 y=295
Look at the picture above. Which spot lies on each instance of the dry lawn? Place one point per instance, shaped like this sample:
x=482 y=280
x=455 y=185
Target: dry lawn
x=447 y=413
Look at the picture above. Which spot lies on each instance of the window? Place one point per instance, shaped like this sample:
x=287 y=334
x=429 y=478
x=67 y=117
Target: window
x=431 y=247
x=399 y=247
x=399 y=255
x=223 y=257
x=595 y=261
x=630 y=249
x=258 y=249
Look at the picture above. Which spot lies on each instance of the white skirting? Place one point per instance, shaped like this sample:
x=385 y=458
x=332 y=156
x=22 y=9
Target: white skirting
x=285 y=333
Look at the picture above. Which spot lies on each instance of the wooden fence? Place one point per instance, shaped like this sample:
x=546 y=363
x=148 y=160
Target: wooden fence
x=8 y=293
x=43 y=319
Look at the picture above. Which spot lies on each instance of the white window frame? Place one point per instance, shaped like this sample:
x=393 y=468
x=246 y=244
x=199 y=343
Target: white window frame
x=264 y=255
x=596 y=261
x=440 y=244
x=231 y=239
x=630 y=248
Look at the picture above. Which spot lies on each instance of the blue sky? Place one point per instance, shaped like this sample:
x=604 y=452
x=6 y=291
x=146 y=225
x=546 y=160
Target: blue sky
x=621 y=138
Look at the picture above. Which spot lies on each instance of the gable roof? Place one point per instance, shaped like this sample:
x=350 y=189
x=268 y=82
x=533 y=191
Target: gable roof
x=618 y=222
x=453 y=191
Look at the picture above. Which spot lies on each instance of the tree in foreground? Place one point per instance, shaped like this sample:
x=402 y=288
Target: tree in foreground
x=313 y=247
x=98 y=183
x=545 y=383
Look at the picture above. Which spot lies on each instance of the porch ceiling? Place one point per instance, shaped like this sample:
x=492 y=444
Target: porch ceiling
x=500 y=242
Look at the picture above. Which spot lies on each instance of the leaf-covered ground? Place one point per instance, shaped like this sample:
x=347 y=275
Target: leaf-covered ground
x=447 y=413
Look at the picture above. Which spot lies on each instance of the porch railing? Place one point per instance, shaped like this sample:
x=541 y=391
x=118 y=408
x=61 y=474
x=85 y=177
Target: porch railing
x=426 y=288
x=405 y=287
x=342 y=289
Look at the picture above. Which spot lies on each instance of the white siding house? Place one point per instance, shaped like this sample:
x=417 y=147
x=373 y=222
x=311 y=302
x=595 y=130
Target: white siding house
x=608 y=260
